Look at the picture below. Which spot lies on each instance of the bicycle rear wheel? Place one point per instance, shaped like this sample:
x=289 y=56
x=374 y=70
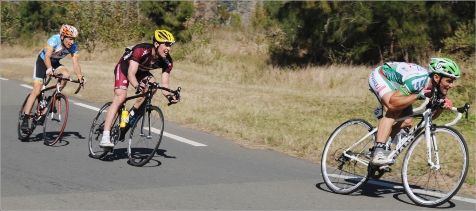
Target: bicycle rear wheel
x=342 y=174
x=145 y=137
x=55 y=119
x=432 y=187
x=95 y=134
x=21 y=135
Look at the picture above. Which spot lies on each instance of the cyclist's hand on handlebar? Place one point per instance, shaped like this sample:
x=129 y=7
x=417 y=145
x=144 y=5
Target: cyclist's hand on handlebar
x=49 y=71
x=139 y=89
x=424 y=94
x=447 y=105
x=172 y=99
x=82 y=80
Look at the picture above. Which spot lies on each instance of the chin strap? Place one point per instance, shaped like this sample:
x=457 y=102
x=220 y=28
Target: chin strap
x=438 y=92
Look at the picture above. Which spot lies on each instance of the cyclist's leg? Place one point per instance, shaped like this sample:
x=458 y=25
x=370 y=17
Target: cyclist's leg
x=383 y=90
x=120 y=93
x=141 y=76
x=61 y=69
x=408 y=123
x=37 y=84
x=39 y=73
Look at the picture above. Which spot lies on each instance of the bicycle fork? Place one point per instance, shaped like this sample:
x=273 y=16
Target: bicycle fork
x=431 y=141
x=142 y=134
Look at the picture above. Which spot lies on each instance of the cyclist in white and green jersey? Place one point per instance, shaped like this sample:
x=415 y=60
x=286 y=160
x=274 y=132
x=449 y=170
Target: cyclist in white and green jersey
x=397 y=86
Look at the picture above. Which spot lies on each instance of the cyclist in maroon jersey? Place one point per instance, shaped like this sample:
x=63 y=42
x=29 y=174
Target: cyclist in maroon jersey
x=134 y=66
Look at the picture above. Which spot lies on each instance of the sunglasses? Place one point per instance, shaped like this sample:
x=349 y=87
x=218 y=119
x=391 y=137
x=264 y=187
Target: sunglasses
x=168 y=44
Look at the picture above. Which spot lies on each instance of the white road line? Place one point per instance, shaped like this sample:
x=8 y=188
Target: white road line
x=87 y=106
x=4 y=79
x=172 y=136
x=184 y=140
x=27 y=86
x=388 y=185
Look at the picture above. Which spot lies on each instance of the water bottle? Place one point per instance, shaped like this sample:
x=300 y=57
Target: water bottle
x=124 y=118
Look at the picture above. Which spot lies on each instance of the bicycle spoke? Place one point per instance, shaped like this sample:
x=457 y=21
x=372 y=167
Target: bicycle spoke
x=341 y=173
x=95 y=133
x=431 y=186
x=145 y=137
x=55 y=119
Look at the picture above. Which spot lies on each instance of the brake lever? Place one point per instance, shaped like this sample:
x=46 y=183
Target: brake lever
x=466 y=106
x=48 y=81
x=176 y=94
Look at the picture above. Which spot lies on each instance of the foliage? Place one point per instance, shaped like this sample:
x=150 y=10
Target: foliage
x=168 y=15
x=298 y=33
x=11 y=22
x=110 y=22
x=462 y=44
x=321 y=32
x=105 y=22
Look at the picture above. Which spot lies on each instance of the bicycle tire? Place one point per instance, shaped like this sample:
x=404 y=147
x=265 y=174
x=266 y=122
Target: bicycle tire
x=55 y=119
x=341 y=174
x=143 y=146
x=25 y=136
x=423 y=185
x=95 y=133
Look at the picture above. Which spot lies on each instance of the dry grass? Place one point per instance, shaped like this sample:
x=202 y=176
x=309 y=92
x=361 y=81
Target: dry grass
x=228 y=90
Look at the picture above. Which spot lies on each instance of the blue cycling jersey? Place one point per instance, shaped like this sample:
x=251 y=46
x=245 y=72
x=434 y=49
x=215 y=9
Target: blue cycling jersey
x=59 y=51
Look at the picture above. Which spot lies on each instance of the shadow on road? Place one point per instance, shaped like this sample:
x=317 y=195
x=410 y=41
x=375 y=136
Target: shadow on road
x=121 y=154
x=379 y=191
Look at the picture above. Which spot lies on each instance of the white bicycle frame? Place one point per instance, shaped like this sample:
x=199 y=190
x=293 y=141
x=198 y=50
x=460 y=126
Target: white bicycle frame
x=458 y=117
x=425 y=125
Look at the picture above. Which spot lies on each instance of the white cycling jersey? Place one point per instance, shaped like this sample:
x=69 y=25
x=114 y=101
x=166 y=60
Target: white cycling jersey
x=59 y=51
x=408 y=78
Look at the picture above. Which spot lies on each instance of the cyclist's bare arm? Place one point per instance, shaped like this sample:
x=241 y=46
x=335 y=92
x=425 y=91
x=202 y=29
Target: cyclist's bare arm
x=131 y=73
x=165 y=83
x=47 y=60
x=398 y=101
x=76 y=66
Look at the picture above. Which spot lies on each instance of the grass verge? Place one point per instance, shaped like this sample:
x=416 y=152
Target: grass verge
x=228 y=90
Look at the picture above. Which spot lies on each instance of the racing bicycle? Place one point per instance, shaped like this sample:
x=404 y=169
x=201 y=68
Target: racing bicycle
x=51 y=112
x=146 y=128
x=433 y=169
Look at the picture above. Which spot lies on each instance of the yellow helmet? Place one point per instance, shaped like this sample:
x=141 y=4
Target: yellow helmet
x=163 y=36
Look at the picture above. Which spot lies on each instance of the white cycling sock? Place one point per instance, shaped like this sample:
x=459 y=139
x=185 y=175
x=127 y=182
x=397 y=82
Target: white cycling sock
x=106 y=133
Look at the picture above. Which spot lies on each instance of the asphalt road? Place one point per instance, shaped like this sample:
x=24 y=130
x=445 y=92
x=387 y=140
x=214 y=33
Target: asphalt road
x=193 y=170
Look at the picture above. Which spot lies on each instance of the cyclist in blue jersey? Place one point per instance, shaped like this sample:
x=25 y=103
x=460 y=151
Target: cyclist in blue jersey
x=57 y=47
x=397 y=86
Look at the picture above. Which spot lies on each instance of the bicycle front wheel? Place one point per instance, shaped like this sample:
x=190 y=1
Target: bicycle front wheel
x=341 y=173
x=145 y=137
x=55 y=119
x=432 y=186
x=95 y=133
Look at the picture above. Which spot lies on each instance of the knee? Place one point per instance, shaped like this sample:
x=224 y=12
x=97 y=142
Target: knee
x=407 y=123
x=65 y=72
x=35 y=91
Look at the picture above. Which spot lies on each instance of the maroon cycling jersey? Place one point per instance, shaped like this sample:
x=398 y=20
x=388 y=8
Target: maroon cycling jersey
x=142 y=54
